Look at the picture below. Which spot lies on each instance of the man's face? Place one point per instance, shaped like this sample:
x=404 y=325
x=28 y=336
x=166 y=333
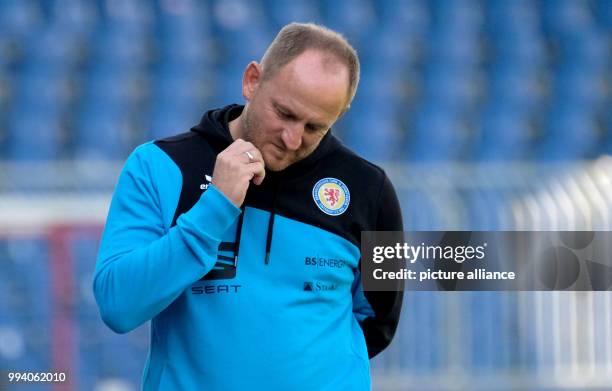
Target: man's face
x=287 y=115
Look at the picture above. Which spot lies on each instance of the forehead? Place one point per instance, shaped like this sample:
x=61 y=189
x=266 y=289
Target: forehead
x=312 y=83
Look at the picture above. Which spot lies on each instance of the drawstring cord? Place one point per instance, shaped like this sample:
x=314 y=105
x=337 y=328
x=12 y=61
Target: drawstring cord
x=268 y=235
x=238 y=235
x=271 y=225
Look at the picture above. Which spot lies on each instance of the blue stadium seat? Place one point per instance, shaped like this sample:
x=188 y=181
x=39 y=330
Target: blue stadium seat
x=449 y=88
x=30 y=260
x=240 y=51
x=519 y=48
x=492 y=332
x=589 y=50
x=76 y=17
x=8 y=52
x=83 y=247
x=374 y=117
x=382 y=84
x=407 y=18
x=515 y=87
x=19 y=17
x=504 y=134
x=603 y=12
x=104 y=132
x=30 y=313
x=170 y=121
x=173 y=14
x=423 y=348
x=356 y=19
x=121 y=48
x=606 y=120
x=571 y=134
x=19 y=350
x=38 y=87
x=113 y=87
x=137 y=15
x=242 y=29
x=185 y=33
x=420 y=211
x=53 y=48
x=456 y=17
x=35 y=134
x=451 y=48
x=182 y=84
x=383 y=48
x=7 y=280
x=228 y=85
x=505 y=18
x=175 y=91
x=436 y=134
x=488 y=210
x=578 y=86
x=564 y=18
x=374 y=134
x=191 y=47
x=284 y=12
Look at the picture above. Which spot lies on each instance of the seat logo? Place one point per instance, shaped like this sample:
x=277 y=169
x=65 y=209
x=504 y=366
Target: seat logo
x=331 y=196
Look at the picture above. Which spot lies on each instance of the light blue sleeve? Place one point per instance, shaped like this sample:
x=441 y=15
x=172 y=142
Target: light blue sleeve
x=143 y=265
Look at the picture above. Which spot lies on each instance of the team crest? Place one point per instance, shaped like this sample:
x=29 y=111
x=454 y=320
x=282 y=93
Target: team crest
x=331 y=196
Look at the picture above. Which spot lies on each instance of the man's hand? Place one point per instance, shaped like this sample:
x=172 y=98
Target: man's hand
x=235 y=167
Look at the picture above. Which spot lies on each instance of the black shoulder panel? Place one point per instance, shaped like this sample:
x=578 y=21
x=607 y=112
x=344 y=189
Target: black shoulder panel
x=195 y=159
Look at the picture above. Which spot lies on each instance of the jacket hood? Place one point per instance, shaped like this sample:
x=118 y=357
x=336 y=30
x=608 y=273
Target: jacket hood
x=215 y=129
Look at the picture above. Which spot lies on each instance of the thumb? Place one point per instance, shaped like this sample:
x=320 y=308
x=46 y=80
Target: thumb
x=258 y=179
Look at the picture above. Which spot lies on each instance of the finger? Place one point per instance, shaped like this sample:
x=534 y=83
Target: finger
x=245 y=146
x=235 y=148
x=250 y=154
x=258 y=171
x=256 y=153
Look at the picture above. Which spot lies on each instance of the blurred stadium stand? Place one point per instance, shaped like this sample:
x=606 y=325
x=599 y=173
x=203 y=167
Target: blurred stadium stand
x=487 y=114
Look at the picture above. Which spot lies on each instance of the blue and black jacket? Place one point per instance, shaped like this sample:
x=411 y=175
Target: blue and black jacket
x=268 y=295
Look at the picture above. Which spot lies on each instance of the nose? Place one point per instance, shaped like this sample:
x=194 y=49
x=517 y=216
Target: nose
x=292 y=137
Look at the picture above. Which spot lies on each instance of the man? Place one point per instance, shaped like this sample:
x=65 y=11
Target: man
x=240 y=239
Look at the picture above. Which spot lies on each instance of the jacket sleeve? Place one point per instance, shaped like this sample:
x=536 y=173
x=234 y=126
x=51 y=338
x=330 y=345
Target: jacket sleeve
x=379 y=312
x=142 y=265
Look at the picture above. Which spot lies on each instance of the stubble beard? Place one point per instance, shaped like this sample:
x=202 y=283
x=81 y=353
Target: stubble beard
x=250 y=132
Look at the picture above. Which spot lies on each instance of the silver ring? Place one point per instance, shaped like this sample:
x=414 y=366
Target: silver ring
x=251 y=157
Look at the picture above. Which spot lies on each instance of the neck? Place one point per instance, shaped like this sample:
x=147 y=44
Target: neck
x=235 y=127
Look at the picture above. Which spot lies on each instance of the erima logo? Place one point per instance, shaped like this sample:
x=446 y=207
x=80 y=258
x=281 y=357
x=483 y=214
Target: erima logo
x=318 y=286
x=208 y=179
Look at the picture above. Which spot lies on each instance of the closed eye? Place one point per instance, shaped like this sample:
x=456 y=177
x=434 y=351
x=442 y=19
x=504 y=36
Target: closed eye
x=285 y=115
x=314 y=129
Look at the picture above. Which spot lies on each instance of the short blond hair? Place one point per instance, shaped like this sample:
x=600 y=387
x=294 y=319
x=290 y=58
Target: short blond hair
x=295 y=38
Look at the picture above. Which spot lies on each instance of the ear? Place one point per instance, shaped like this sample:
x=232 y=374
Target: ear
x=251 y=80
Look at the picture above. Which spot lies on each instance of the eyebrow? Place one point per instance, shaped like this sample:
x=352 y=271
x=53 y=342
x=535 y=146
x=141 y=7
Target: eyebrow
x=290 y=113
